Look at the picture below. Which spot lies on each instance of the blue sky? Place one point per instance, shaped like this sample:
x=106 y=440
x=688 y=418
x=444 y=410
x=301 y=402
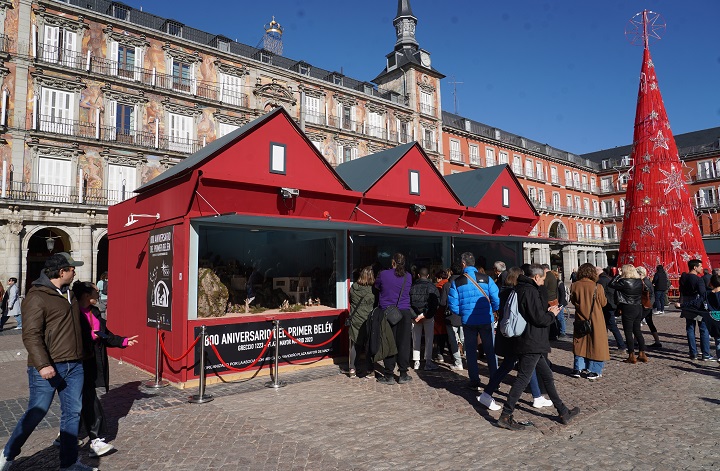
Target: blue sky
x=557 y=71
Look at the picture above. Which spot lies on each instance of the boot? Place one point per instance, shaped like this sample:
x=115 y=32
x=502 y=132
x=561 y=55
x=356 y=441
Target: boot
x=631 y=358
x=642 y=357
x=507 y=422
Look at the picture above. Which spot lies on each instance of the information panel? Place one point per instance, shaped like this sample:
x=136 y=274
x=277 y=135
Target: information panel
x=159 y=295
x=240 y=344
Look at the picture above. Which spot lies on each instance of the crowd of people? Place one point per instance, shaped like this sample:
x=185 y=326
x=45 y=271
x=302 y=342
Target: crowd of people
x=66 y=337
x=458 y=313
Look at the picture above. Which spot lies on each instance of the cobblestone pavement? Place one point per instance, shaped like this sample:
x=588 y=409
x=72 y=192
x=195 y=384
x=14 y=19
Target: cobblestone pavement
x=659 y=415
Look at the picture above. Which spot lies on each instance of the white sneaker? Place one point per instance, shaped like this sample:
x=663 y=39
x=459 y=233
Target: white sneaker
x=488 y=401
x=98 y=447
x=457 y=367
x=416 y=365
x=78 y=466
x=540 y=402
x=429 y=365
x=4 y=462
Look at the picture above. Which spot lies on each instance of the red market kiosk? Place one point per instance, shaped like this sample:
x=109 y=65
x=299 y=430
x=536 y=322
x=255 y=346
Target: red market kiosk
x=258 y=226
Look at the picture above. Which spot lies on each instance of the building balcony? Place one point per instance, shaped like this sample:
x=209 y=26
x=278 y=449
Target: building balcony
x=112 y=134
x=427 y=109
x=148 y=77
x=429 y=145
x=41 y=192
x=457 y=157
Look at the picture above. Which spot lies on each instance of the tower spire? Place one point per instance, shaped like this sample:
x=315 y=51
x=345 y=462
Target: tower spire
x=405 y=23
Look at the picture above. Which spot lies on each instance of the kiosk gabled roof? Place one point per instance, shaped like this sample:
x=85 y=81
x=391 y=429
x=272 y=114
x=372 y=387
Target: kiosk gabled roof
x=472 y=186
x=361 y=174
x=366 y=173
x=217 y=146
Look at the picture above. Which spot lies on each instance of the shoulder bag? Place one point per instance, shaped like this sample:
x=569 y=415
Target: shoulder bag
x=392 y=313
x=583 y=327
x=495 y=316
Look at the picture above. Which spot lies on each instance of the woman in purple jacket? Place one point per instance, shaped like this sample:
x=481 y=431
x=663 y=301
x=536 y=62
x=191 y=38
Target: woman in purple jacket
x=394 y=288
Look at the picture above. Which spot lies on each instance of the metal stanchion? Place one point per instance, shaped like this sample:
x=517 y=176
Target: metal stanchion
x=276 y=383
x=158 y=382
x=201 y=397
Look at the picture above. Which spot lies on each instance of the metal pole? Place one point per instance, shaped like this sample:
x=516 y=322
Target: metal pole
x=158 y=382
x=201 y=397
x=275 y=383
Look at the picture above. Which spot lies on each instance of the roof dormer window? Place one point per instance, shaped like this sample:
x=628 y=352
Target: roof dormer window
x=174 y=28
x=120 y=11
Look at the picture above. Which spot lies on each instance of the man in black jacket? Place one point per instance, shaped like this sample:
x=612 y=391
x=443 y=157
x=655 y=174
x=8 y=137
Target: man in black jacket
x=424 y=300
x=609 y=309
x=453 y=324
x=532 y=348
x=692 y=286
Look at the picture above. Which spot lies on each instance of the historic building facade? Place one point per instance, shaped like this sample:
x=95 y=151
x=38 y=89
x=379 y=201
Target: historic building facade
x=99 y=97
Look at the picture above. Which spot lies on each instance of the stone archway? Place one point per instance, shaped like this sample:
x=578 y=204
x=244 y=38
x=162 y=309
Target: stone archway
x=558 y=230
x=38 y=247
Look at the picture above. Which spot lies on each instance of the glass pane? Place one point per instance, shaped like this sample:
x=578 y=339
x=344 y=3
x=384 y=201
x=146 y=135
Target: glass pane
x=262 y=266
x=377 y=251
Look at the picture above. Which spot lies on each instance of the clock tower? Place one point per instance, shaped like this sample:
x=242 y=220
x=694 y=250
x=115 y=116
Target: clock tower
x=409 y=72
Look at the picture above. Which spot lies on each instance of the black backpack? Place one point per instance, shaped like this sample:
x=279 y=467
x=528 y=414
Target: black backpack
x=104 y=288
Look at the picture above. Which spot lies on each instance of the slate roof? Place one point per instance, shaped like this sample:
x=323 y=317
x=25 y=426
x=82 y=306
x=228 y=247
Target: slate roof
x=689 y=143
x=471 y=186
x=361 y=174
x=407 y=56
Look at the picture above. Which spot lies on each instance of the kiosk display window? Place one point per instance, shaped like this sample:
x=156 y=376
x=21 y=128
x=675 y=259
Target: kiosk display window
x=248 y=270
x=377 y=250
x=487 y=252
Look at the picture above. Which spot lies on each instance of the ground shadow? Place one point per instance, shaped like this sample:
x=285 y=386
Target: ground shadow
x=118 y=402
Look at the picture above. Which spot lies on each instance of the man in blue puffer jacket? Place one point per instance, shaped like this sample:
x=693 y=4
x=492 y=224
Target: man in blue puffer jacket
x=477 y=312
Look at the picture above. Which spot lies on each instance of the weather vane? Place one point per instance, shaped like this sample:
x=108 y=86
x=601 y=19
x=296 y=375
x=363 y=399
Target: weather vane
x=644 y=26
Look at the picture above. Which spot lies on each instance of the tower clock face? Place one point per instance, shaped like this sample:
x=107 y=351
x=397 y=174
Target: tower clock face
x=425 y=59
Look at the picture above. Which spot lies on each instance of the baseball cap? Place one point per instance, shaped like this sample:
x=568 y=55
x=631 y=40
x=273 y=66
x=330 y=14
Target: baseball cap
x=61 y=260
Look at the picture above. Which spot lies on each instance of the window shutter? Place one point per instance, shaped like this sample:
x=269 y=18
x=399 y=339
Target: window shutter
x=193 y=80
x=51 y=43
x=339 y=114
x=352 y=118
x=111 y=109
x=114 y=58
x=353 y=153
x=339 y=158
x=69 y=52
x=139 y=56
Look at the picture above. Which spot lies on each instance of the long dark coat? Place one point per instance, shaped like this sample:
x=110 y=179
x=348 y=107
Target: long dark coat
x=593 y=346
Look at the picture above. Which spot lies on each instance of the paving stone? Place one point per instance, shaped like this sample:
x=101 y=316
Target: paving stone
x=659 y=415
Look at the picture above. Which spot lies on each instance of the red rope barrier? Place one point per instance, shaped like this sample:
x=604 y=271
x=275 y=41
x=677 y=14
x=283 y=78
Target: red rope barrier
x=262 y=353
x=306 y=345
x=162 y=345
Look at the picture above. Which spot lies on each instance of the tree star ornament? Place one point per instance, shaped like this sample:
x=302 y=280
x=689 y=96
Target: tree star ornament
x=633 y=246
x=646 y=157
x=676 y=245
x=647 y=228
x=673 y=180
x=640 y=186
x=660 y=141
x=684 y=226
x=646 y=169
x=662 y=211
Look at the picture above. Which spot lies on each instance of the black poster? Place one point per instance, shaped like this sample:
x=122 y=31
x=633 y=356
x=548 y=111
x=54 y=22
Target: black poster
x=240 y=344
x=159 y=295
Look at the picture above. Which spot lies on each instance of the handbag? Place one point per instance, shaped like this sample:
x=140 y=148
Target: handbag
x=645 y=298
x=583 y=327
x=392 y=313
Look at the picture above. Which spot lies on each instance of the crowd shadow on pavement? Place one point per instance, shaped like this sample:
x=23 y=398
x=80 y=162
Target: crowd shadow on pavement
x=47 y=458
x=117 y=404
x=700 y=369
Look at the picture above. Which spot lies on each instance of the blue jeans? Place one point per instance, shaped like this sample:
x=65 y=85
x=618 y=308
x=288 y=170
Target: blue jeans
x=560 y=321
x=592 y=366
x=506 y=366
x=488 y=341
x=659 y=305
x=704 y=337
x=68 y=382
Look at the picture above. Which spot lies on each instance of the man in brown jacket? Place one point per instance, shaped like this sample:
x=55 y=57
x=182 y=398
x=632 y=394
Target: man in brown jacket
x=53 y=340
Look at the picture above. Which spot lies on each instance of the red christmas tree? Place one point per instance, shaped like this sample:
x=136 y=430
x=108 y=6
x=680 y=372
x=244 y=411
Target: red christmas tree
x=659 y=227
